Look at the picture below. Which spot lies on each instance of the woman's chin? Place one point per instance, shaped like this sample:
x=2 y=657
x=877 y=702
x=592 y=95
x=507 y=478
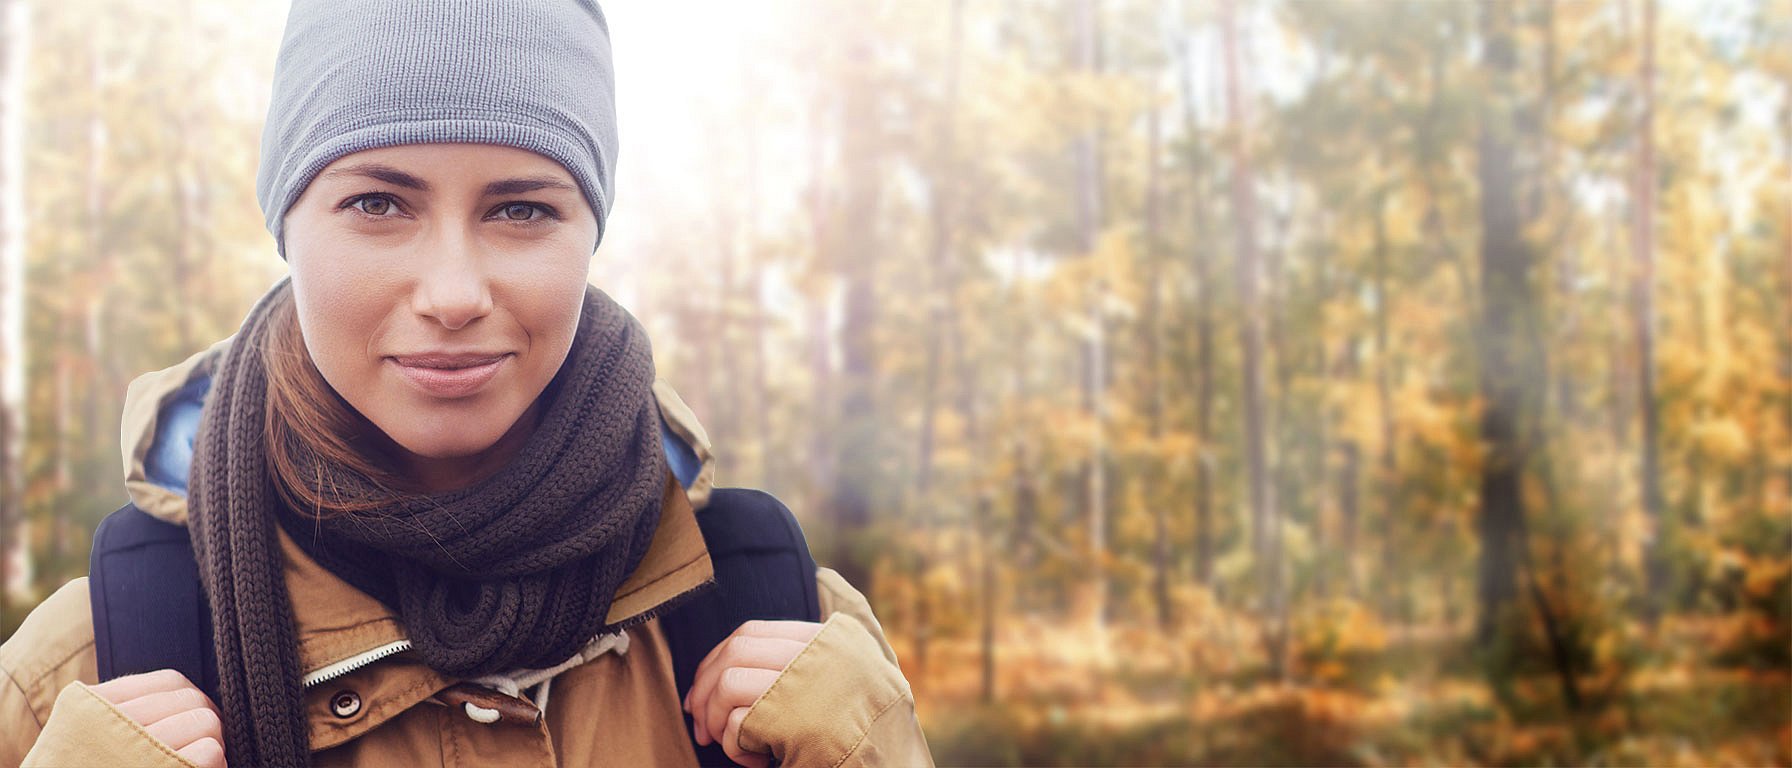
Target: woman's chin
x=450 y=448
x=454 y=448
x=447 y=442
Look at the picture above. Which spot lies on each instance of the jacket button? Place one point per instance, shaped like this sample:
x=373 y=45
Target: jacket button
x=345 y=704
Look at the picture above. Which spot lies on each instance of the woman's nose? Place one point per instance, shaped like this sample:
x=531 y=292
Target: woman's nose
x=453 y=288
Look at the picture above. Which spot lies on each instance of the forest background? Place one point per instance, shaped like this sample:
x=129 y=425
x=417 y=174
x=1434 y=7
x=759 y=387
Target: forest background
x=1185 y=381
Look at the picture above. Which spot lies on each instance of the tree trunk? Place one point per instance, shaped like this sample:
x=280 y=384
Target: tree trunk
x=1506 y=363
x=1026 y=493
x=941 y=291
x=986 y=637
x=1202 y=266
x=1154 y=342
x=1085 y=150
x=1250 y=339
x=723 y=320
x=1642 y=292
x=1785 y=323
x=186 y=234
x=762 y=406
x=1204 y=461
x=821 y=362
x=981 y=514
x=1389 y=480
x=1095 y=402
x=695 y=321
x=14 y=40
x=855 y=259
x=1350 y=457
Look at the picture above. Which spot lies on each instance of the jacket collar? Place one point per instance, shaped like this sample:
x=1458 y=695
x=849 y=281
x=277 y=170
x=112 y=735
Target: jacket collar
x=333 y=620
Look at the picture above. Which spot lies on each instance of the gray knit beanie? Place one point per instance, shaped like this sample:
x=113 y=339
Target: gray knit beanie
x=360 y=74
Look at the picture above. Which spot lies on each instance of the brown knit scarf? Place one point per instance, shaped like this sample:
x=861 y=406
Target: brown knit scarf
x=517 y=571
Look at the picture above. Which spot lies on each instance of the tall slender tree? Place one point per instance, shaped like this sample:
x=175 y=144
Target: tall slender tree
x=1506 y=359
x=1248 y=280
x=1642 y=297
x=1154 y=367
x=1201 y=271
x=854 y=250
x=14 y=47
x=941 y=293
x=1090 y=213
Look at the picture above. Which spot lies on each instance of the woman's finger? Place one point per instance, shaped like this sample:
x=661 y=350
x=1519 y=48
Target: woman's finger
x=801 y=631
x=155 y=706
x=182 y=729
x=205 y=753
x=740 y=651
x=731 y=742
x=122 y=689
x=736 y=687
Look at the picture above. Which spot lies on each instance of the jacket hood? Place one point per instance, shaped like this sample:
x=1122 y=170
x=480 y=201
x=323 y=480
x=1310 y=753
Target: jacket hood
x=334 y=621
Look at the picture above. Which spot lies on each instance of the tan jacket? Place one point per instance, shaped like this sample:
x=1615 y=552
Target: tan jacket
x=841 y=702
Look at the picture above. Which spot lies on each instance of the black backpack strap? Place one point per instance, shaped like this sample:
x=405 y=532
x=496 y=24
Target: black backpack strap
x=149 y=610
x=763 y=570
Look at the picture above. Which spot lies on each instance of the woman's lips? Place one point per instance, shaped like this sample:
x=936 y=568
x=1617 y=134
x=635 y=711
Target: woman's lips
x=447 y=381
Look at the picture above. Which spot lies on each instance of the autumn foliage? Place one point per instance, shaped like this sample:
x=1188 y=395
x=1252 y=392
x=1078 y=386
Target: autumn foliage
x=1263 y=382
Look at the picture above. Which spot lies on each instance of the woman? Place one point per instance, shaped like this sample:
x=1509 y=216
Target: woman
x=432 y=479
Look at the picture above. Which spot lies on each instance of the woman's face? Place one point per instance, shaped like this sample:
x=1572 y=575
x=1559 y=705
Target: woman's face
x=438 y=289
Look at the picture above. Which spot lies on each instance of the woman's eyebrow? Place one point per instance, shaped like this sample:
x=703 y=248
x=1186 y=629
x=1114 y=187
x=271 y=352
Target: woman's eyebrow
x=385 y=173
x=529 y=184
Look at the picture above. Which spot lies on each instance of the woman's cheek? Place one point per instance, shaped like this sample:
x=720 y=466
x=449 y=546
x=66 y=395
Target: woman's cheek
x=548 y=299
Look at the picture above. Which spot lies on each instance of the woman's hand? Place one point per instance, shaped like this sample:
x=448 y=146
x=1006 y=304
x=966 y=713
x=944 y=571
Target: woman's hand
x=173 y=710
x=733 y=676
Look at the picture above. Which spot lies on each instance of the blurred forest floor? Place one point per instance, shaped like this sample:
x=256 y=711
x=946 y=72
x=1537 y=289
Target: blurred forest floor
x=1363 y=694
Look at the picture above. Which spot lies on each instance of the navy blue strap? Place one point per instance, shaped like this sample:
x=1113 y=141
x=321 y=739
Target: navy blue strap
x=149 y=610
x=763 y=570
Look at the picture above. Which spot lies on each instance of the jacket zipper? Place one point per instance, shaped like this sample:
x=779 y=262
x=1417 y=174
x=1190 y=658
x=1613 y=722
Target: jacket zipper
x=352 y=663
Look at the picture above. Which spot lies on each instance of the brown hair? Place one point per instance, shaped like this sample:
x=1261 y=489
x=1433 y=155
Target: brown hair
x=305 y=414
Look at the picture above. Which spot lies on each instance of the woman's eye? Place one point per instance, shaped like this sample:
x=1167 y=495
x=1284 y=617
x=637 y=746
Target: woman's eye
x=372 y=205
x=521 y=212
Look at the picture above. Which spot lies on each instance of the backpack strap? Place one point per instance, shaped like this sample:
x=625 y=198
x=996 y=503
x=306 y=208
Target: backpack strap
x=149 y=610
x=763 y=570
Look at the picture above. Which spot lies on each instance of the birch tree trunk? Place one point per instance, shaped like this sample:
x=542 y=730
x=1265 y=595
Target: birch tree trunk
x=14 y=44
x=1085 y=28
x=1201 y=259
